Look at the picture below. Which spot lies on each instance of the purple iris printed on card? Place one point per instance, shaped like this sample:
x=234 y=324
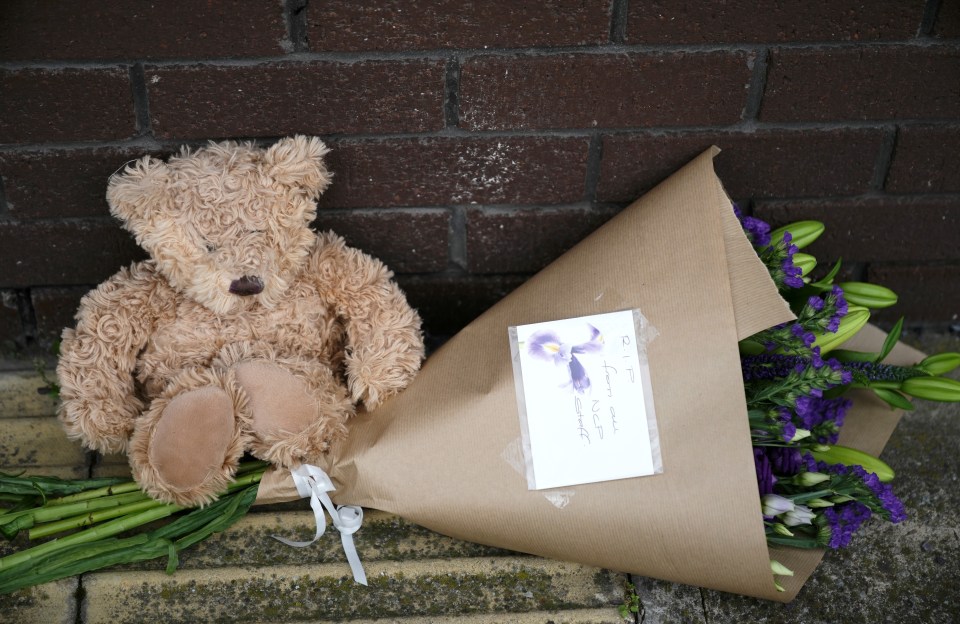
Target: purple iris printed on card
x=547 y=345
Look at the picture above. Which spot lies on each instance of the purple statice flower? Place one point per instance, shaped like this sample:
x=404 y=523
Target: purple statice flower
x=807 y=337
x=840 y=302
x=757 y=230
x=815 y=302
x=815 y=359
x=810 y=463
x=878 y=497
x=788 y=429
x=765 y=478
x=844 y=520
x=823 y=417
x=836 y=303
x=791 y=272
x=883 y=493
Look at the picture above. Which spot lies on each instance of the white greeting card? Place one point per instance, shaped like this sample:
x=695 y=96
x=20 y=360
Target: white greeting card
x=583 y=391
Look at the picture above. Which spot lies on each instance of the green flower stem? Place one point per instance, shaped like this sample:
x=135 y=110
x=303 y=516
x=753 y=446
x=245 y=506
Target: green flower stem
x=805 y=496
x=110 y=490
x=49 y=486
x=119 y=525
x=89 y=535
x=135 y=505
x=48 y=513
x=76 y=522
x=796 y=542
x=886 y=385
x=168 y=540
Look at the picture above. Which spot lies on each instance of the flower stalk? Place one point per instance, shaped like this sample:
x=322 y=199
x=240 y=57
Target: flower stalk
x=100 y=515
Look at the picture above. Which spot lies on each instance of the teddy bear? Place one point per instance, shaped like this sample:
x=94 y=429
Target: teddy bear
x=244 y=330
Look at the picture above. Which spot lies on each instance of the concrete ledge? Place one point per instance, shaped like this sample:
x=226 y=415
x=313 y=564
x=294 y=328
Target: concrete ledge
x=437 y=587
x=51 y=603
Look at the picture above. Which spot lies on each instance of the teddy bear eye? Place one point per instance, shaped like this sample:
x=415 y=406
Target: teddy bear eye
x=210 y=247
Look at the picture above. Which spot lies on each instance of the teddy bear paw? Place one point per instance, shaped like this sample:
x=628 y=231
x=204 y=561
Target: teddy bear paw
x=190 y=450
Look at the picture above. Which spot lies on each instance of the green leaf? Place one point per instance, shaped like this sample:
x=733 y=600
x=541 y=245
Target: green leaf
x=750 y=347
x=827 y=279
x=891 y=341
x=172 y=559
x=846 y=355
x=97 y=547
x=893 y=398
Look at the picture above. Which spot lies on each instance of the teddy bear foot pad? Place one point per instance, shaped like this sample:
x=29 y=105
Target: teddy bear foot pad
x=177 y=452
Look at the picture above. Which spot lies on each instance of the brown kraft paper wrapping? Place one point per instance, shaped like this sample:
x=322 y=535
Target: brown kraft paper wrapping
x=438 y=454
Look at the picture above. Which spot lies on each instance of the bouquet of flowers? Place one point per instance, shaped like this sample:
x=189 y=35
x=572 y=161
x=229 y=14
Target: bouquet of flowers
x=814 y=492
x=443 y=453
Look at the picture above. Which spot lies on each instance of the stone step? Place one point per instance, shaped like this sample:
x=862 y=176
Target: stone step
x=245 y=575
x=307 y=592
x=19 y=396
x=50 y=603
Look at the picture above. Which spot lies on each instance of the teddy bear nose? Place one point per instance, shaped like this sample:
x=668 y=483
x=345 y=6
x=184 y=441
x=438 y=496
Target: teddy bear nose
x=246 y=285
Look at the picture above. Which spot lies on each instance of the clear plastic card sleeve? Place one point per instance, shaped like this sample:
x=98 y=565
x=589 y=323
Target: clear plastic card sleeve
x=584 y=399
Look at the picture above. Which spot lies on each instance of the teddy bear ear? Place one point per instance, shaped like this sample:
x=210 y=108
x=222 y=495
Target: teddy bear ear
x=137 y=189
x=298 y=162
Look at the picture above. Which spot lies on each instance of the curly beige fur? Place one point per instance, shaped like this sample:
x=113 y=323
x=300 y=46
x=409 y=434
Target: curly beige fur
x=329 y=321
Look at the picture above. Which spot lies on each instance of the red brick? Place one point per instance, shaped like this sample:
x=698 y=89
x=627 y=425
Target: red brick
x=925 y=160
x=885 y=229
x=55 y=309
x=271 y=99
x=775 y=163
x=60 y=183
x=448 y=304
x=39 y=253
x=448 y=171
x=345 y=25
x=11 y=330
x=607 y=91
x=525 y=241
x=948 y=20
x=95 y=29
x=862 y=83
x=769 y=21
x=65 y=104
x=407 y=241
x=927 y=293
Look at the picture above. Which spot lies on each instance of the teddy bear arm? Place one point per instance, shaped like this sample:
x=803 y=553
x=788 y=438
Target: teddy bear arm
x=385 y=345
x=97 y=361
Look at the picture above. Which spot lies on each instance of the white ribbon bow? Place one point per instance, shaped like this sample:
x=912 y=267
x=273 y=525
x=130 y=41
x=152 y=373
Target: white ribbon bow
x=313 y=482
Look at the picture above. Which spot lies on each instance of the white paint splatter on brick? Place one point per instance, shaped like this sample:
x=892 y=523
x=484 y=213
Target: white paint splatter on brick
x=485 y=171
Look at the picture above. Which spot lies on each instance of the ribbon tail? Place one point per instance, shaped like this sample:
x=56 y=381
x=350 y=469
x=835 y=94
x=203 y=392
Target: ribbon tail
x=348 y=520
x=312 y=481
x=319 y=518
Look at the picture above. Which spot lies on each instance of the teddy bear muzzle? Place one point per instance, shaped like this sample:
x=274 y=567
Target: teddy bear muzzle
x=246 y=286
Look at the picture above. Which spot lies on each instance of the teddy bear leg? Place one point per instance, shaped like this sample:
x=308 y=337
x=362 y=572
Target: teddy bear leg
x=296 y=410
x=187 y=446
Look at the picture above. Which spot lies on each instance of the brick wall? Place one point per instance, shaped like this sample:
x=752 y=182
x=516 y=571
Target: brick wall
x=475 y=141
